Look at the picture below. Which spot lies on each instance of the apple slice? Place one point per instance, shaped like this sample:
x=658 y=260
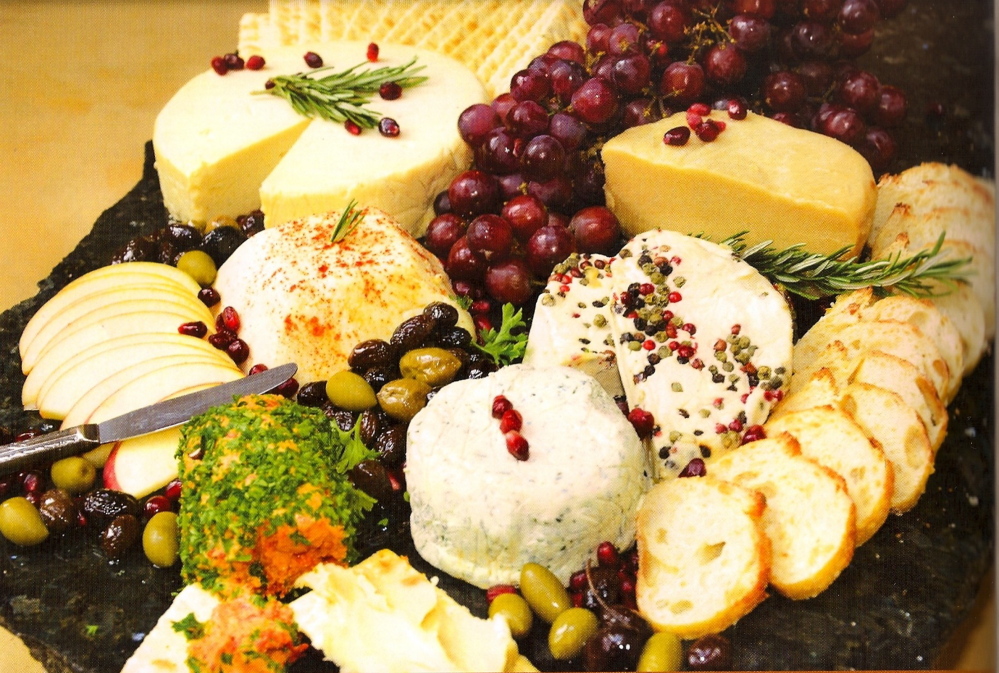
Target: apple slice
x=105 y=277
x=57 y=329
x=62 y=393
x=92 y=395
x=44 y=374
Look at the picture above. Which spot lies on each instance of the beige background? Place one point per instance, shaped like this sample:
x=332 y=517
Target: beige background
x=82 y=83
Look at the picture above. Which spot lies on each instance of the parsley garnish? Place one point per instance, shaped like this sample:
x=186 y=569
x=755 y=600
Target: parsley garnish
x=354 y=450
x=508 y=344
x=91 y=630
x=190 y=627
x=349 y=219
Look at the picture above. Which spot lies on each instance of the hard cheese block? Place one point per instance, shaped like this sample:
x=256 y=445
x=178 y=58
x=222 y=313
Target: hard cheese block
x=761 y=176
x=222 y=149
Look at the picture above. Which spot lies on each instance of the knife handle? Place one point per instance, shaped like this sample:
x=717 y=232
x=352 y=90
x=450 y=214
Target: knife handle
x=46 y=448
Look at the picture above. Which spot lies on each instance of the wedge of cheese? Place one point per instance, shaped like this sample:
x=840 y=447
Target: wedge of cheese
x=225 y=148
x=303 y=297
x=383 y=615
x=759 y=176
x=164 y=649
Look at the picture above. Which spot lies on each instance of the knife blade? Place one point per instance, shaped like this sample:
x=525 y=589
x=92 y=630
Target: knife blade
x=160 y=416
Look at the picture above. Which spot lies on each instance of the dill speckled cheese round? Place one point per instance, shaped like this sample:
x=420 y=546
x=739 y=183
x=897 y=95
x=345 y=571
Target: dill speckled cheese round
x=480 y=514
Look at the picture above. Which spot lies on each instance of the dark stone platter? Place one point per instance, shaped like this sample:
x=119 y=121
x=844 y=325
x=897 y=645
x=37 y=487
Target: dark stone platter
x=895 y=607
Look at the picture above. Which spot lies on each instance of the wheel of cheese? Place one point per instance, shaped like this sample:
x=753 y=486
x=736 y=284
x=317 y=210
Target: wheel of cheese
x=480 y=514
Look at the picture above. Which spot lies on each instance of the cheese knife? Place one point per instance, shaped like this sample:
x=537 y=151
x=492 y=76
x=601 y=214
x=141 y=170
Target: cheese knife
x=160 y=416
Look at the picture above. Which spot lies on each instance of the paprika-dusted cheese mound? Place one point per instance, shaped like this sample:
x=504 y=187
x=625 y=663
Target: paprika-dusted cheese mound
x=303 y=297
x=480 y=514
x=225 y=148
x=776 y=182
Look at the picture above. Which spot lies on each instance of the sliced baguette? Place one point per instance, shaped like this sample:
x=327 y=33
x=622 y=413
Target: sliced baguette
x=704 y=561
x=810 y=519
x=832 y=438
x=819 y=388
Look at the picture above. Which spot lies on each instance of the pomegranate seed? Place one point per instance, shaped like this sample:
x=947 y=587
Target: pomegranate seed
x=699 y=109
x=269 y=84
x=352 y=128
x=288 y=388
x=628 y=587
x=708 y=131
x=255 y=62
x=498 y=590
x=397 y=479
x=196 y=329
x=388 y=127
x=228 y=319
x=677 y=136
x=313 y=60
x=695 y=468
x=257 y=368
x=735 y=426
x=32 y=482
x=34 y=497
x=642 y=421
x=577 y=599
x=81 y=519
x=511 y=420
x=480 y=306
x=238 y=351
x=234 y=61
x=372 y=52
x=221 y=340
x=156 y=504
x=694 y=120
x=754 y=433
x=209 y=296
x=501 y=405
x=219 y=66
x=390 y=90
x=172 y=490
x=27 y=434
x=607 y=555
x=482 y=323
x=577 y=581
x=736 y=109
x=516 y=445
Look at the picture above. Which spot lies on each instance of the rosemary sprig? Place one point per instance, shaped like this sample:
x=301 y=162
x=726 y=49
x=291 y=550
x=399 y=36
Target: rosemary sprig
x=349 y=219
x=504 y=346
x=813 y=276
x=341 y=96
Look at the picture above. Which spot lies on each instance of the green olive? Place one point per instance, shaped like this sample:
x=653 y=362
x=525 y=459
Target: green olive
x=662 y=652
x=21 y=523
x=74 y=474
x=543 y=591
x=403 y=398
x=350 y=391
x=434 y=366
x=199 y=265
x=515 y=610
x=570 y=631
x=160 y=539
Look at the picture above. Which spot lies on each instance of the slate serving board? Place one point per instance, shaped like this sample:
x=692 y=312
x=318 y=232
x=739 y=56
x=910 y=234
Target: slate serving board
x=895 y=607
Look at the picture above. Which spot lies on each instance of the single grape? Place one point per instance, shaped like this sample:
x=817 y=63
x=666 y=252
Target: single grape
x=749 y=33
x=891 y=107
x=858 y=16
x=640 y=111
x=566 y=77
x=852 y=46
x=588 y=186
x=442 y=203
x=490 y=236
x=604 y=67
x=511 y=185
x=567 y=50
x=845 y=125
x=595 y=102
x=724 y=65
x=624 y=40
x=547 y=247
x=464 y=264
x=596 y=38
x=442 y=233
x=668 y=22
x=527 y=119
x=596 y=229
x=554 y=193
x=602 y=11
x=476 y=121
x=474 y=192
x=542 y=158
x=496 y=153
x=824 y=11
x=630 y=74
x=567 y=130
x=503 y=104
x=784 y=91
x=526 y=214
x=879 y=148
x=637 y=10
x=541 y=65
x=813 y=40
x=859 y=90
x=509 y=281
x=762 y=8
x=682 y=82
x=526 y=85
x=817 y=77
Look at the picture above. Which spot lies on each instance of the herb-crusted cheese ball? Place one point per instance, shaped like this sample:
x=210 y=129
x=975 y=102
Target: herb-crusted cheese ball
x=480 y=514
x=264 y=496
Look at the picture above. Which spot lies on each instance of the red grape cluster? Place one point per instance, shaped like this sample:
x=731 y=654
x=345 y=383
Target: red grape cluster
x=536 y=192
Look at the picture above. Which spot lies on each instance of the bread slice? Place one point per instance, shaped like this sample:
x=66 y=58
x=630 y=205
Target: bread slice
x=893 y=424
x=955 y=223
x=832 y=438
x=703 y=559
x=813 y=389
x=845 y=311
x=810 y=519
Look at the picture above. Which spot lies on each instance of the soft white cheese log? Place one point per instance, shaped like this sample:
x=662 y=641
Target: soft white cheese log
x=571 y=325
x=164 y=649
x=328 y=166
x=303 y=298
x=703 y=342
x=480 y=514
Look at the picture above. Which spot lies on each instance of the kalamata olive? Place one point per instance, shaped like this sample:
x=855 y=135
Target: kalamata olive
x=160 y=539
x=454 y=337
x=603 y=588
x=481 y=369
x=313 y=394
x=74 y=474
x=624 y=617
x=543 y=591
x=370 y=476
x=58 y=510
x=403 y=398
x=222 y=242
x=167 y=252
x=198 y=265
x=515 y=610
x=612 y=649
x=391 y=445
x=120 y=535
x=21 y=523
x=379 y=376
x=344 y=419
x=135 y=250
x=370 y=425
x=253 y=223
x=412 y=333
x=663 y=651
x=184 y=236
x=710 y=653
x=444 y=315
x=570 y=632
x=103 y=504
x=434 y=366
x=350 y=391
x=371 y=353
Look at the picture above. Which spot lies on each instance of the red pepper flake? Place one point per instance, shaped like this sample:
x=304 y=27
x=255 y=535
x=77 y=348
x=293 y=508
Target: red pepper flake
x=744 y=397
x=720 y=429
x=697 y=363
x=563 y=288
x=667 y=315
x=769 y=396
x=372 y=52
x=674 y=260
x=718 y=403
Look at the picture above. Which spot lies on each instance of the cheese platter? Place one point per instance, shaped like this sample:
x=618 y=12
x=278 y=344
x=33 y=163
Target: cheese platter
x=895 y=605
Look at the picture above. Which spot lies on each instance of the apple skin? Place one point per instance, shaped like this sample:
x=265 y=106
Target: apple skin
x=142 y=465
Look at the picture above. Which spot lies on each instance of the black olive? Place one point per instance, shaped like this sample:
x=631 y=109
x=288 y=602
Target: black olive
x=58 y=510
x=344 y=419
x=454 y=337
x=371 y=425
x=444 y=315
x=379 y=376
x=120 y=535
x=313 y=394
x=604 y=588
x=221 y=242
x=481 y=369
x=184 y=236
x=167 y=253
x=103 y=504
x=391 y=445
x=620 y=616
x=135 y=250
x=253 y=223
x=370 y=476
x=710 y=653
x=372 y=353
x=612 y=649
x=412 y=333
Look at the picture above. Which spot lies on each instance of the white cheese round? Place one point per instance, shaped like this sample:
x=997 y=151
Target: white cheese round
x=480 y=514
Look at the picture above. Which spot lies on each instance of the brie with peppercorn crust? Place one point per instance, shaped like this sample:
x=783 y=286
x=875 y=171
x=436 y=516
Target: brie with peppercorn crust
x=704 y=344
x=226 y=147
x=303 y=297
x=480 y=513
